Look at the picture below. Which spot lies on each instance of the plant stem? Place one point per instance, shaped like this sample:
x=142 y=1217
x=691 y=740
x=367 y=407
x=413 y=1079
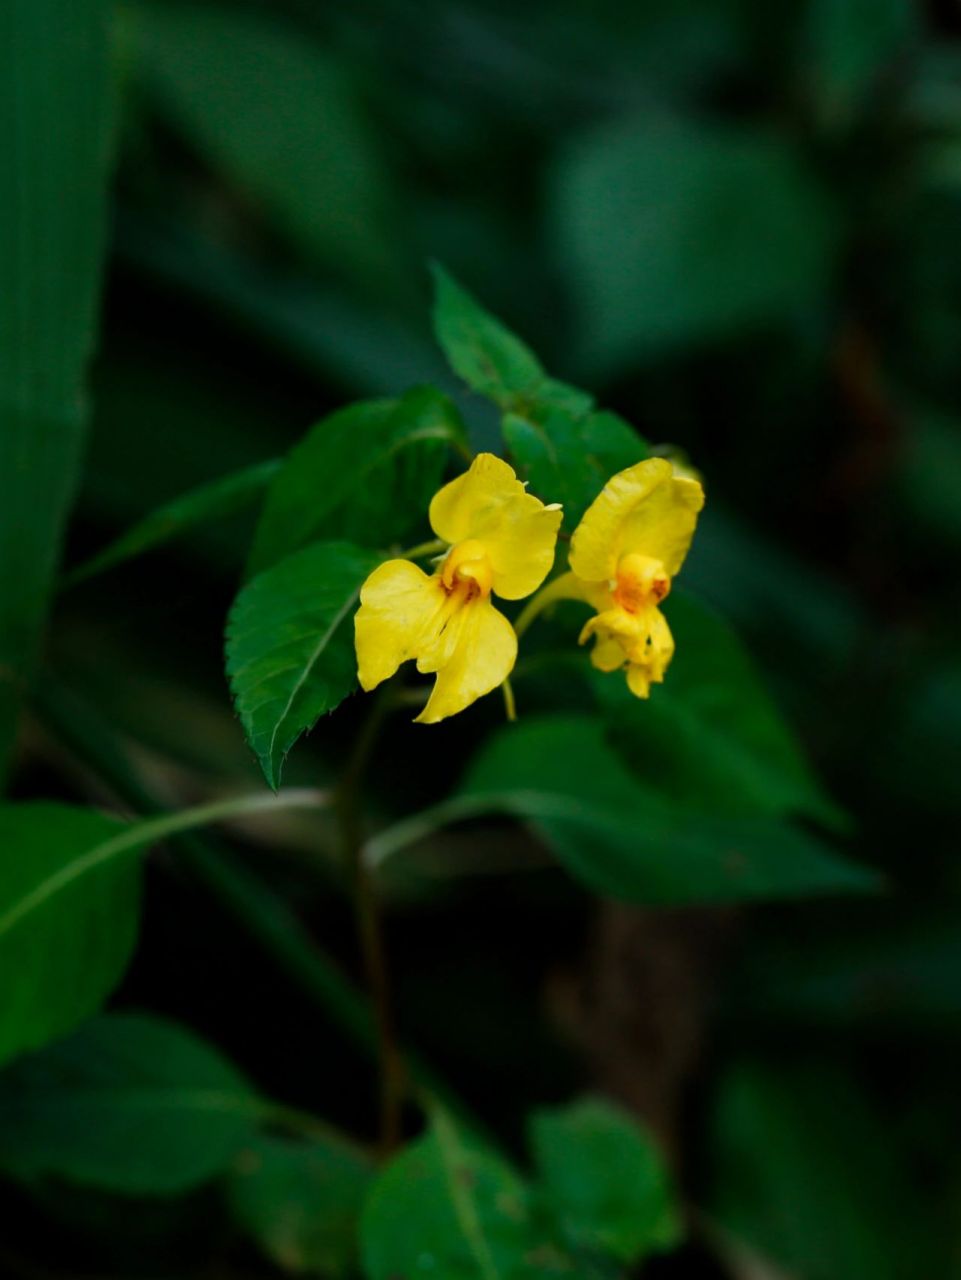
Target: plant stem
x=370 y=929
x=566 y=587
x=245 y=895
x=434 y=547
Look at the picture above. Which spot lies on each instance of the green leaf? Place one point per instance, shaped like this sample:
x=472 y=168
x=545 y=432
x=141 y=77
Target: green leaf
x=712 y=737
x=626 y=838
x=569 y=457
x=604 y=1179
x=301 y=1202
x=55 y=114
x=129 y=1104
x=481 y=350
x=282 y=119
x=681 y=231
x=366 y=473
x=565 y=448
x=447 y=1207
x=211 y=502
x=290 y=646
x=68 y=920
x=70 y=903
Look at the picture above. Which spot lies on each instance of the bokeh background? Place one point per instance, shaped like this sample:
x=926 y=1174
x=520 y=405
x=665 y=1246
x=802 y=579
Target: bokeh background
x=739 y=224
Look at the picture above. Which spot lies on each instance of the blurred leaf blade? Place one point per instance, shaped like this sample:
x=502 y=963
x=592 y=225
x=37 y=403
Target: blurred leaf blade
x=462 y=1206
x=683 y=231
x=282 y=119
x=130 y=1103
x=604 y=1179
x=211 y=502
x=301 y=1202
x=627 y=839
x=68 y=922
x=55 y=107
x=713 y=734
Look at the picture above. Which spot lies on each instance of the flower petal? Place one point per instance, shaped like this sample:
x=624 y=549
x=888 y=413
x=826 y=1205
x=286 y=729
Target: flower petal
x=488 y=503
x=401 y=610
x=480 y=658
x=647 y=509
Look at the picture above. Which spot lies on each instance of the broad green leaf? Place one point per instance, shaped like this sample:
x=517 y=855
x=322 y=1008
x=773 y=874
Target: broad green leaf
x=366 y=473
x=301 y=1202
x=283 y=120
x=55 y=84
x=681 y=231
x=290 y=646
x=211 y=502
x=70 y=904
x=560 y=443
x=808 y=1173
x=628 y=839
x=712 y=737
x=68 y=920
x=567 y=457
x=130 y=1103
x=481 y=350
x=447 y=1207
x=604 y=1179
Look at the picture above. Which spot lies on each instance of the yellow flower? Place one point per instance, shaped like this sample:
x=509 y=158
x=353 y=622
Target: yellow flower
x=502 y=542
x=624 y=554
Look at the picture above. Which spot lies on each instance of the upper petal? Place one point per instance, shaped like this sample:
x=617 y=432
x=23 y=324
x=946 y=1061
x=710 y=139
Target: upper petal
x=400 y=611
x=481 y=658
x=647 y=509
x=488 y=503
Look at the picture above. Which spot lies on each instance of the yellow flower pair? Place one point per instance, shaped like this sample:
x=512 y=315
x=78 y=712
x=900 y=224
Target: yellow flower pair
x=624 y=553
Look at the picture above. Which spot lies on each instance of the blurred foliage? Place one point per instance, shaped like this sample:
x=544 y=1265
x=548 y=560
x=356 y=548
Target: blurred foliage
x=737 y=224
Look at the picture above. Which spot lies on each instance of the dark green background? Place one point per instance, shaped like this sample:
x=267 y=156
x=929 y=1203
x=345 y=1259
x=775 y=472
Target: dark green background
x=739 y=224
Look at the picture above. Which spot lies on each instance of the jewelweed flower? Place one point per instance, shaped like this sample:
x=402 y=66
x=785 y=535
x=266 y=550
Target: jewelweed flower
x=624 y=555
x=502 y=542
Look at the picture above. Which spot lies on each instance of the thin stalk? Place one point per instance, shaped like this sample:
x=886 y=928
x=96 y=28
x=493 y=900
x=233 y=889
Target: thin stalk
x=566 y=587
x=241 y=892
x=510 y=705
x=370 y=932
x=434 y=547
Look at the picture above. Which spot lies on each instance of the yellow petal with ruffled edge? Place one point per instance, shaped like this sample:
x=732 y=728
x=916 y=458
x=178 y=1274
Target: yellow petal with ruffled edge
x=401 y=612
x=476 y=653
x=646 y=509
x=488 y=504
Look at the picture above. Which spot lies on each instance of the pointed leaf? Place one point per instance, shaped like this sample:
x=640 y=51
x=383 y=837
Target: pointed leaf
x=570 y=456
x=130 y=1104
x=211 y=502
x=366 y=473
x=55 y=91
x=627 y=839
x=290 y=646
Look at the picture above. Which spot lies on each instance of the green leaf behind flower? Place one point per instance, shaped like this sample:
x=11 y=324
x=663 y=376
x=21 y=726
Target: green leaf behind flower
x=629 y=839
x=290 y=646
x=571 y=456
x=366 y=473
